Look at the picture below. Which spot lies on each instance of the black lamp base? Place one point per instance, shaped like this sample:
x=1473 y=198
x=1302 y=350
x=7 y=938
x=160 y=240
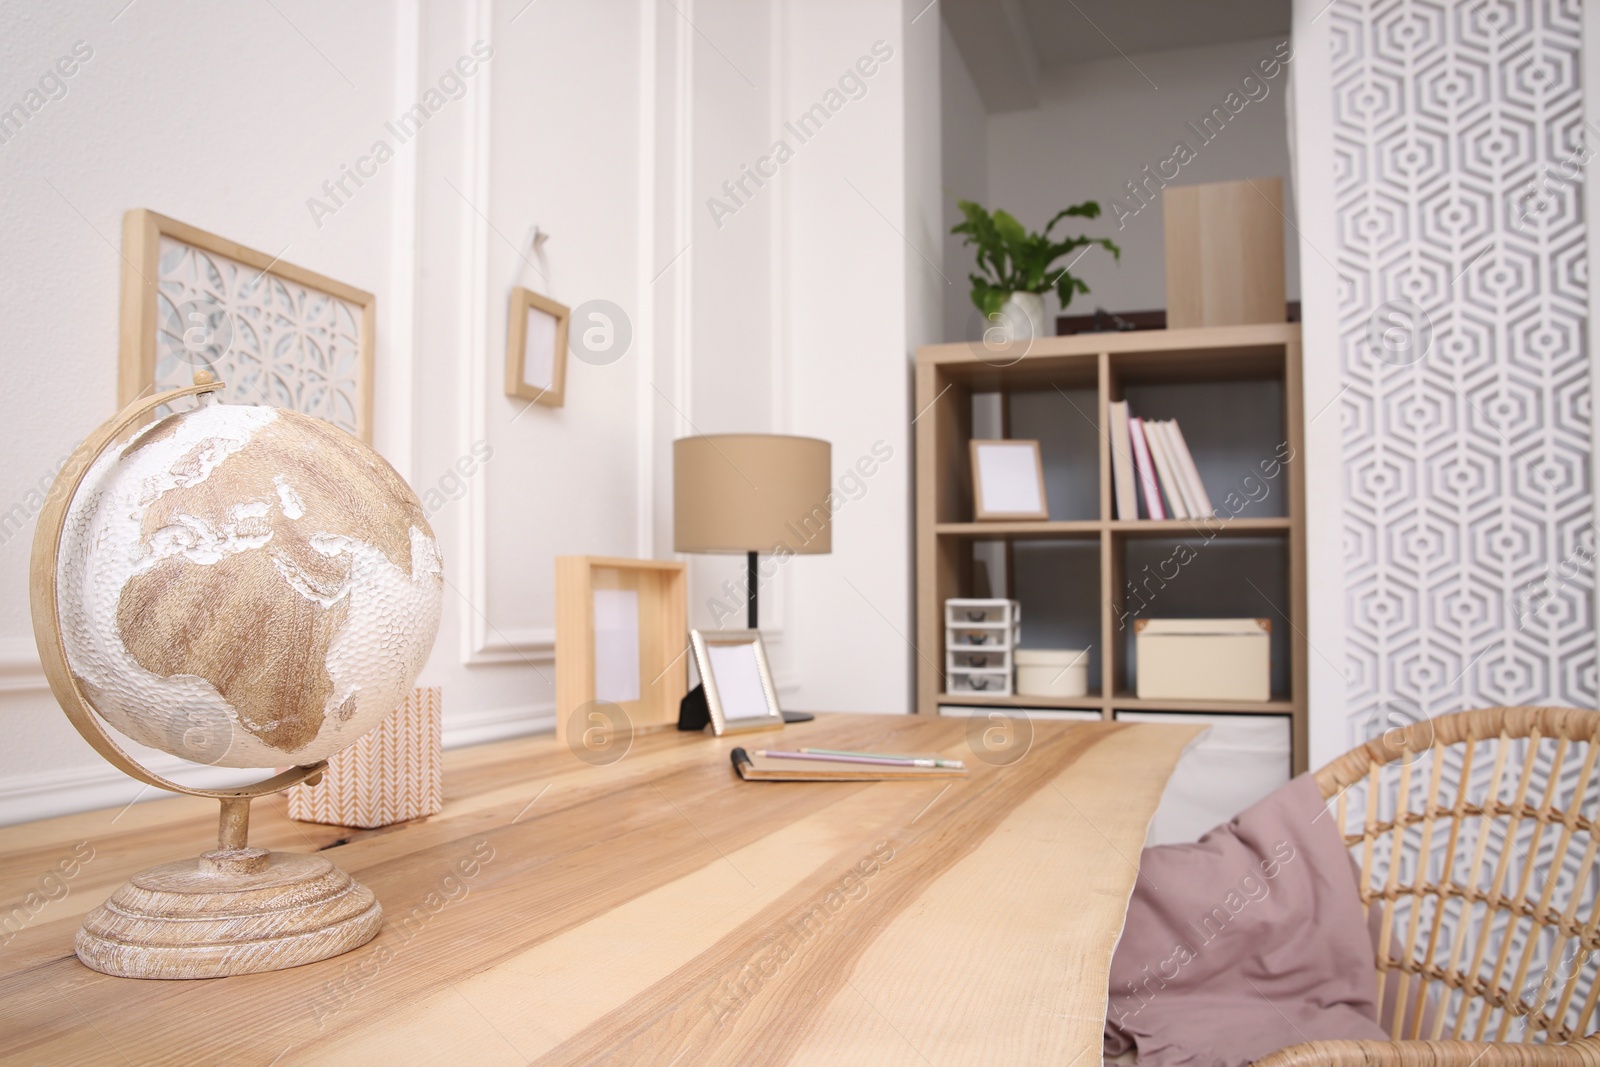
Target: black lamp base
x=695 y=714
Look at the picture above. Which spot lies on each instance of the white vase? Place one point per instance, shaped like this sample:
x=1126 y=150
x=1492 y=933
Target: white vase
x=1023 y=317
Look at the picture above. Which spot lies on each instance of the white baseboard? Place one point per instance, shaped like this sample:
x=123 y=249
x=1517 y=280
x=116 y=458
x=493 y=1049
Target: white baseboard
x=25 y=797
x=45 y=794
x=481 y=727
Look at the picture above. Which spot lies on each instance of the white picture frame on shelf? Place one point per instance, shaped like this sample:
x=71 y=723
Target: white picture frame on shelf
x=740 y=694
x=1007 y=481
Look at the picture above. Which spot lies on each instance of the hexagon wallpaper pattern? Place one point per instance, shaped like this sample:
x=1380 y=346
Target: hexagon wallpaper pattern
x=1459 y=157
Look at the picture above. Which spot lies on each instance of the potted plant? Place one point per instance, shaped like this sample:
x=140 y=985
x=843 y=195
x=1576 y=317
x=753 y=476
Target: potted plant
x=1016 y=266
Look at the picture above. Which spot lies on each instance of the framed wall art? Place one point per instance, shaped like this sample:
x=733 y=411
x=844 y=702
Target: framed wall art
x=275 y=333
x=536 y=348
x=622 y=629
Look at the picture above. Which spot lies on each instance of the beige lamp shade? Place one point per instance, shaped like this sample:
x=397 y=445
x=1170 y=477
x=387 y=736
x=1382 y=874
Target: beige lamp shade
x=751 y=492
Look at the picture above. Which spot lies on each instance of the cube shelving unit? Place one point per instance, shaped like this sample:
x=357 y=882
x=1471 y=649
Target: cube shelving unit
x=1088 y=574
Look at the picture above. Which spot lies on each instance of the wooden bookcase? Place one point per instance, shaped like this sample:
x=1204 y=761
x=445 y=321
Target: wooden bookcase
x=1236 y=391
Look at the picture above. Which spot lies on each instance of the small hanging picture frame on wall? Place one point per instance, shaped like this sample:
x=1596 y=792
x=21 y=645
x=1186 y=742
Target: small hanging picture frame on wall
x=276 y=333
x=536 y=348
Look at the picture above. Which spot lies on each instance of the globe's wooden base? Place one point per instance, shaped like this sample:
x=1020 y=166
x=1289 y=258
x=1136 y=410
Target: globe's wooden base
x=229 y=912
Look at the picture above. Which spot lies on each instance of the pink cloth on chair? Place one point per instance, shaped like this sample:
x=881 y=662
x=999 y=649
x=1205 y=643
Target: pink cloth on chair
x=1244 y=942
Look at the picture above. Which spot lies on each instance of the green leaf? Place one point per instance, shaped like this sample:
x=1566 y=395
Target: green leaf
x=1089 y=209
x=1011 y=259
x=985 y=297
x=1009 y=228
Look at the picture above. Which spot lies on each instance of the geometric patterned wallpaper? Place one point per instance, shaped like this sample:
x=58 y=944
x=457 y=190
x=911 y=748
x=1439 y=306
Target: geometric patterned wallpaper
x=1459 y=157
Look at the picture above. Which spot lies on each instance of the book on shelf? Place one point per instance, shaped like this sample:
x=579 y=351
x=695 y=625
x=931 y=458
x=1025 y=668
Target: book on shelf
x=1158 y=462
x=1194 y=499
x=1197 y=488
x=1166 y=469
x=1147 y=473
x=1127 y=492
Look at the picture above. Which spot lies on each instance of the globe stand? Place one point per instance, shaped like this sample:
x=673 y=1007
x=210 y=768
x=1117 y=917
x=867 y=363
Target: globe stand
x=235 y=909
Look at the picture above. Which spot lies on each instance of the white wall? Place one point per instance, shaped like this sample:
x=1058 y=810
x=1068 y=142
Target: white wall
x=1098 y=125
x=609 y=124
x=965 y=176
x=225 y=118
x=853 y=239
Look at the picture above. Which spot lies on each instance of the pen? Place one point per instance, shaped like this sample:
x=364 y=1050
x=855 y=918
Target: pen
x=953 y=764
x=877 y=760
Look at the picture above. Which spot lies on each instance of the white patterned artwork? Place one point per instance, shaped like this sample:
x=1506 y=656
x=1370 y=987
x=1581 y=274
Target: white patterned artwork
x=275 y=333
x=1459 y=160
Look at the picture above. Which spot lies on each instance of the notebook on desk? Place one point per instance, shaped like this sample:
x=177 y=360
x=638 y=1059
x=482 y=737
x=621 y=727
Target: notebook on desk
x=754 y=767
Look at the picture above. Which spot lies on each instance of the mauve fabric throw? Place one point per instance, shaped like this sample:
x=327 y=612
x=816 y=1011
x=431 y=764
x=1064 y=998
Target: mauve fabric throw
x=1244 y=942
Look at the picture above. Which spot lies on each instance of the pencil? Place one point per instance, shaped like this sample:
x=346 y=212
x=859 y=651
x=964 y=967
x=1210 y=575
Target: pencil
x=953 y=764
x=877 y=760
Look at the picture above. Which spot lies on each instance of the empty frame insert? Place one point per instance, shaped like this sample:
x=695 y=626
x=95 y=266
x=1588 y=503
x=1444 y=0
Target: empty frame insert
x=1007 y=481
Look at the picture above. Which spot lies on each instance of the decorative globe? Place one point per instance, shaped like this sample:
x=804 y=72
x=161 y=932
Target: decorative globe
x=246 y=586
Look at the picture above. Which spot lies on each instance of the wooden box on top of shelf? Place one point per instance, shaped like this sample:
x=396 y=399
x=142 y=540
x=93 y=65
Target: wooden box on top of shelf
x=948 y=375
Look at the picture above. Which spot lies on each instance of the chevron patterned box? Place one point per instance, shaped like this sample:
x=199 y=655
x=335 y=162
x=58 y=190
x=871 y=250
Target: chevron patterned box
x=389 y=775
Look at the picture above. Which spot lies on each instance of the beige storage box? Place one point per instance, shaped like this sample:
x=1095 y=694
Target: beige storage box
x=1204 y=659
x=1052 y=672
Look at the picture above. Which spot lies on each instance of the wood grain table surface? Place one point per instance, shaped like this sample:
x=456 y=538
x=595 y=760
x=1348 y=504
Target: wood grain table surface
x=649 y=910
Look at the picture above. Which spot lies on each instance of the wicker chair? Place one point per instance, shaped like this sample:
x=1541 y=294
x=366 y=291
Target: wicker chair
x=1492 y=950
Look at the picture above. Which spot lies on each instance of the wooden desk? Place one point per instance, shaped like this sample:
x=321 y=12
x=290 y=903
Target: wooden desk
x=653 y=911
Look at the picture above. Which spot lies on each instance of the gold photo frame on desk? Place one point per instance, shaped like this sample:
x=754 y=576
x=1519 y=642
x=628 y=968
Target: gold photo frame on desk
x=740 y=694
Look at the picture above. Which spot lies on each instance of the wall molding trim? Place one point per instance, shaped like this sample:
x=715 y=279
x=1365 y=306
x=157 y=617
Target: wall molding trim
x=474 y=327
x=399 y=415
x=45 y=794
x=20 y=669
x=531 y=646
x=67 y=791
x=497 y=724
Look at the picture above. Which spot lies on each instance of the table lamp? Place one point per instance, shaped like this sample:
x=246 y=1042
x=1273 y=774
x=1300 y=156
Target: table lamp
x=752 y=493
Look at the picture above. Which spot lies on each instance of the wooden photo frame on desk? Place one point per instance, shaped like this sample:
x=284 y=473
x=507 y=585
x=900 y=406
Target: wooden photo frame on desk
x=275 y=333
x=622 y=629
x=1007 y=480
x=536 y=348
x=740 y=693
